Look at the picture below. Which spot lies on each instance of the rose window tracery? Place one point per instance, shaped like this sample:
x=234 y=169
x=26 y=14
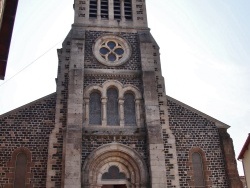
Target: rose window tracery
x=112 y=50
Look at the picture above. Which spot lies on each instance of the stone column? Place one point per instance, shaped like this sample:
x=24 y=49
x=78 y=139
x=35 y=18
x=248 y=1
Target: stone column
x=104 y=112
x=121 y=107
x=122 y=11
x=138 y=112
x=111 y=9
x=86 y=112
x=73 y=135
x=99 y=9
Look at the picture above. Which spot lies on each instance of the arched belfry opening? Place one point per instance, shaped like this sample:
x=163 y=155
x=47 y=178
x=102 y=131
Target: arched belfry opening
x=114 y=166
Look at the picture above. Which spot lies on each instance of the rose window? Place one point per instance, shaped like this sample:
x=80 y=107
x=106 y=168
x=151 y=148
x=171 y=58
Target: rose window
x=112 y=50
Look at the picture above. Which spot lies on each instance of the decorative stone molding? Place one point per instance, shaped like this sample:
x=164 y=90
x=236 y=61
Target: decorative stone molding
x=110 y=73
x=125 y=158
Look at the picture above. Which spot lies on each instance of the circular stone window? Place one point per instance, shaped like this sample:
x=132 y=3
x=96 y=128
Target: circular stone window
x=112 y=50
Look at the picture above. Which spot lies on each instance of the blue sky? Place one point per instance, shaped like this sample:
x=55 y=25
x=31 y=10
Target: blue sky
x=204 y=45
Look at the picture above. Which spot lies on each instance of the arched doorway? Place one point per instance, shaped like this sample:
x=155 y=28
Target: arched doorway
x=114 y=166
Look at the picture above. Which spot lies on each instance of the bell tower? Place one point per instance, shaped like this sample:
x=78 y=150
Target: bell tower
x=110 y=13
x=111 y=109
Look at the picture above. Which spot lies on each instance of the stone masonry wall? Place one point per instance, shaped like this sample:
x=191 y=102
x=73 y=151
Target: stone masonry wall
x=192 y=130
x=56 y=158
x=134 y=138
x=27 y=127
x=97 y=80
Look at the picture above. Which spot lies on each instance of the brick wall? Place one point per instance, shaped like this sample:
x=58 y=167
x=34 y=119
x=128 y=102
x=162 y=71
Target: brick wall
x=27 y=127
x=194 y=131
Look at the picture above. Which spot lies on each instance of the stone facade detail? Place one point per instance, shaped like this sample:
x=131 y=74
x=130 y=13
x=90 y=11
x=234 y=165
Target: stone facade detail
x=56 y=141
x=115 y=154
x=193 y=130
x=132 y=64
x=110 y=114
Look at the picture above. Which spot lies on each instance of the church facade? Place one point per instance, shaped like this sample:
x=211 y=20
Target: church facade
x=110 y=124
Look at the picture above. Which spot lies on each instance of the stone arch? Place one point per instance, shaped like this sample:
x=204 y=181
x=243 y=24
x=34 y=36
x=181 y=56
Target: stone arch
x=112 y=83
x=92 y=88
x=117 y=154
x=134 y=90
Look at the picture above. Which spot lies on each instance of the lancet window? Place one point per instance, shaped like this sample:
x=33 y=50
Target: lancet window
x=95 y=108
x=198 y=171
x=129 y=109
x=20 y=171
x=112 y=105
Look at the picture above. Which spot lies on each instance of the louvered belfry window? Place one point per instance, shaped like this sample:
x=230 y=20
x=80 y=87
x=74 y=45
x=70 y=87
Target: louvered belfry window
x=20 y=171
x=95 y=106
x=100 y=9
x=104 y=9
x=117 y=9
x=129 y=109
x=198 y=170
x=93 y=8
x=128 y=9
x=112 y=107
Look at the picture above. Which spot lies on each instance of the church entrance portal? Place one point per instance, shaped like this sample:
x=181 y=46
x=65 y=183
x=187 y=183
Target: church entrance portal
x=114 y=186
x=114 y=166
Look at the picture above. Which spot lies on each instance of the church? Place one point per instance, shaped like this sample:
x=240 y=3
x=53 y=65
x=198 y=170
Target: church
x=110 y=123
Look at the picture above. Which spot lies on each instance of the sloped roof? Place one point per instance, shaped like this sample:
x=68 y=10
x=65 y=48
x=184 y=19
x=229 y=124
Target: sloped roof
x=245 y=148
x=218 y=123
x=27 y=105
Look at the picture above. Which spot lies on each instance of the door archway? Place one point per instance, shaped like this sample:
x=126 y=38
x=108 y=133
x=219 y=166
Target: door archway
x=130 y=167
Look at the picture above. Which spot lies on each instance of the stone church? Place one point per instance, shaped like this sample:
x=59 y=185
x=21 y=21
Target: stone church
x=110 y=124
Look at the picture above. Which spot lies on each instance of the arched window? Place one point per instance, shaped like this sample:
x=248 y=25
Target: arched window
x=95 y=117
x=20 y=171
x=113 y=174
x=129 y=109
x=112 y=107
x=197 y=163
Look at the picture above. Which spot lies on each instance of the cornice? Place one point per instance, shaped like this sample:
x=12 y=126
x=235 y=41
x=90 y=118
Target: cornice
x=112 y=73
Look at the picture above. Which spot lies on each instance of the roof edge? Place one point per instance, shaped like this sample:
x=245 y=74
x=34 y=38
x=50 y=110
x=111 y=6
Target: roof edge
x=219 y=124
x=26 y=105
x=245 y=148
